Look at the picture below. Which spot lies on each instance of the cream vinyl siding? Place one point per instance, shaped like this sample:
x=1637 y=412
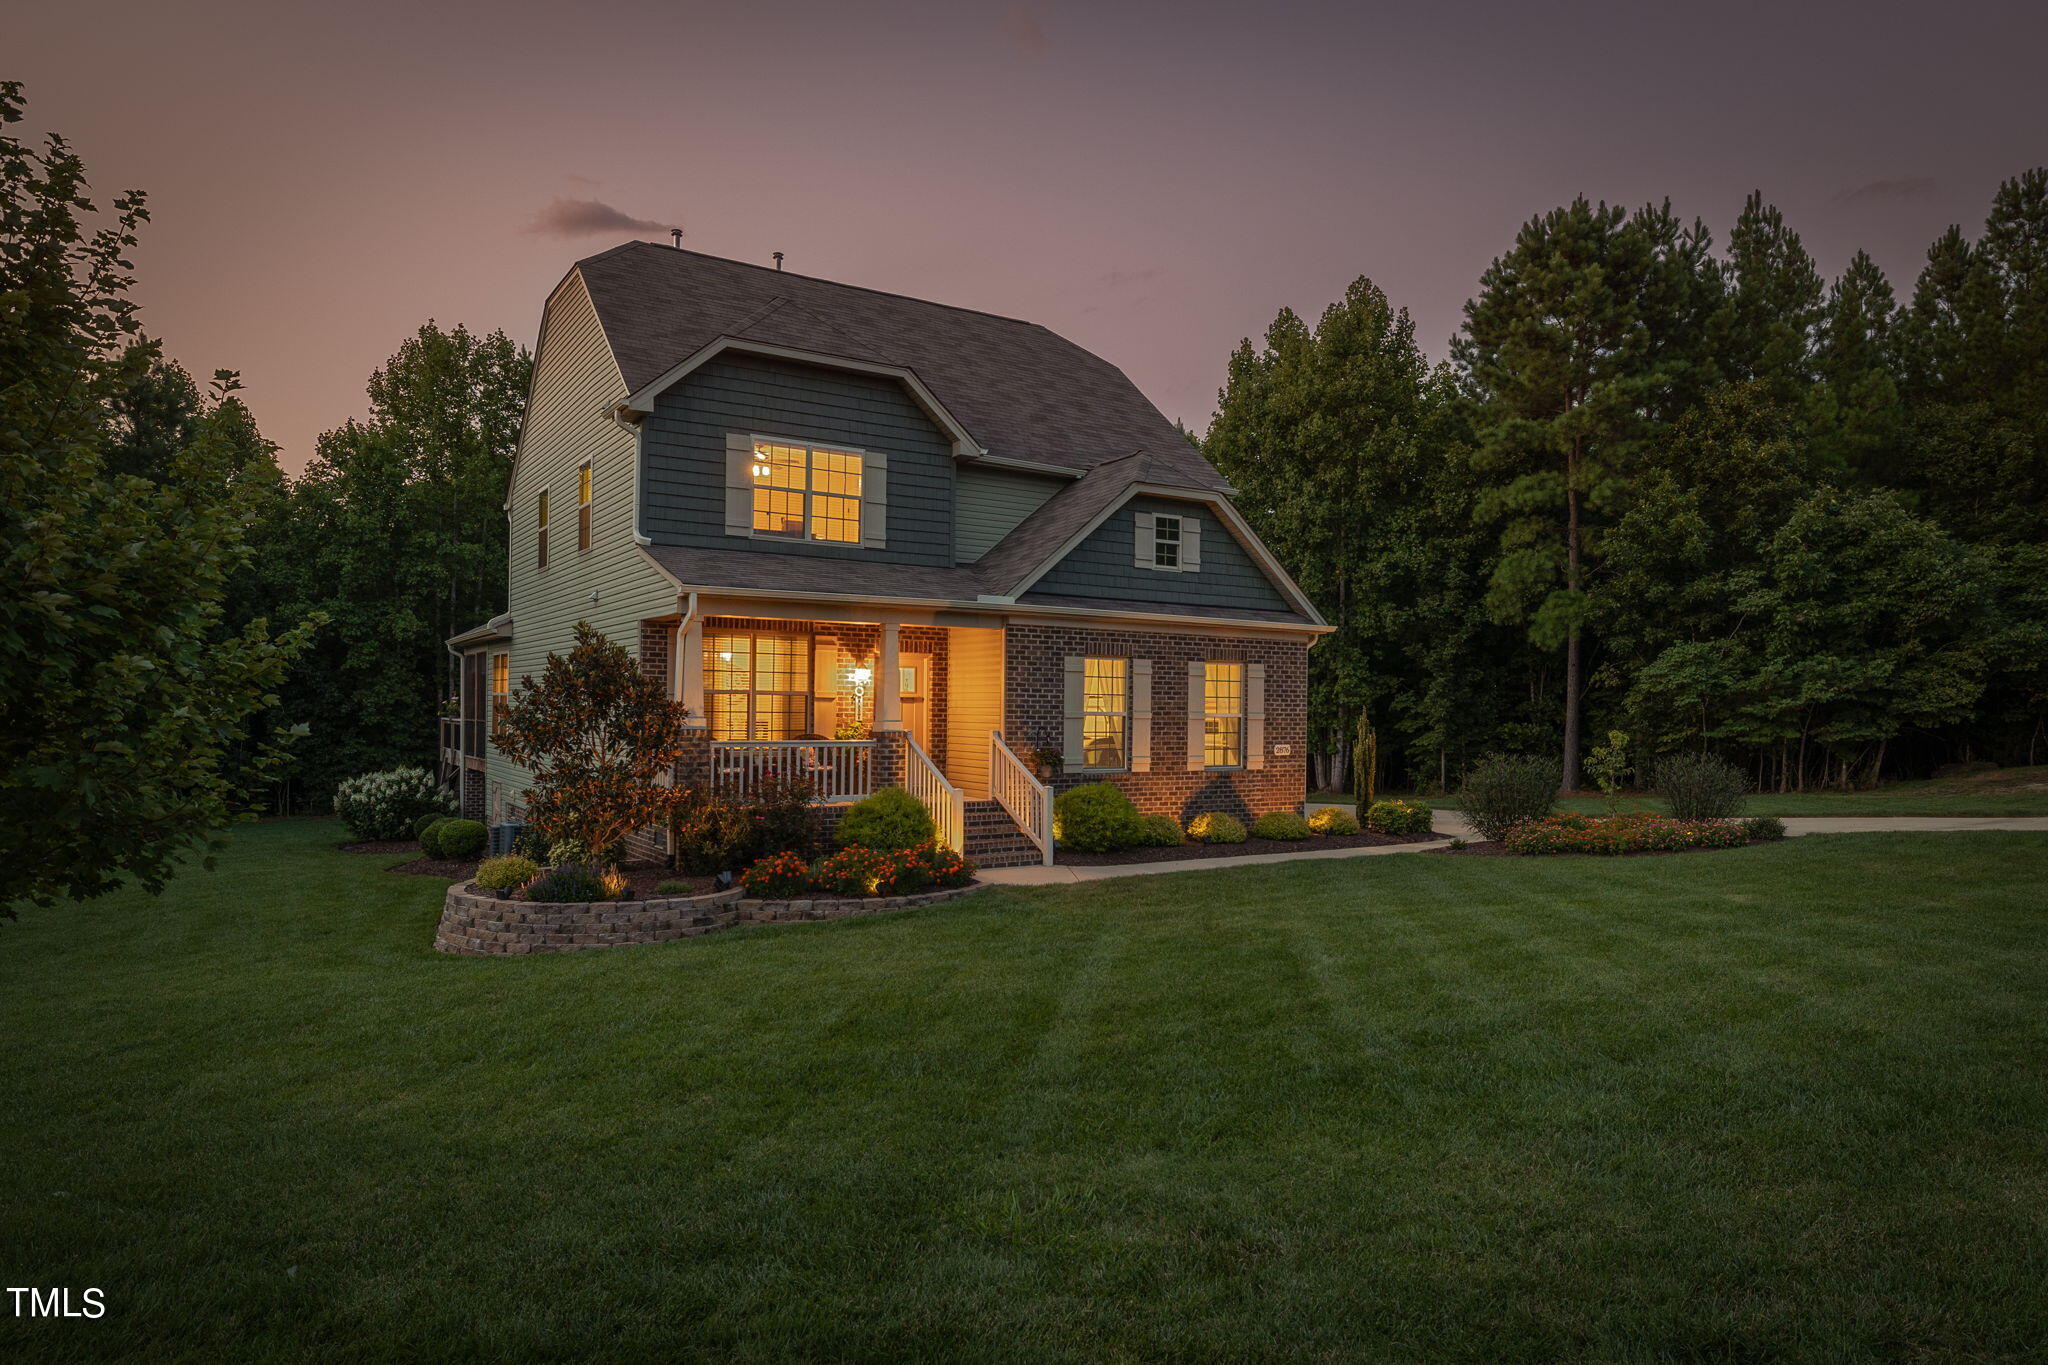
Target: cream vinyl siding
x=575 y=385
x=974 y=706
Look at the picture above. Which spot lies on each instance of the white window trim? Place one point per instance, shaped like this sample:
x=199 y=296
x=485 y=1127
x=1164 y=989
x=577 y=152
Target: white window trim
x=1242 y=715
x=874 y=497
x=543 y=526
x=1186 y=542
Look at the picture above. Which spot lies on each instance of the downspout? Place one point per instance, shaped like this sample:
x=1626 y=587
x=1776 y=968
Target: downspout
x=619 y=419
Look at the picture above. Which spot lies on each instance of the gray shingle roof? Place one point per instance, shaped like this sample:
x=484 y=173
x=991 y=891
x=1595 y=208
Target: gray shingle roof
x=1023 y=392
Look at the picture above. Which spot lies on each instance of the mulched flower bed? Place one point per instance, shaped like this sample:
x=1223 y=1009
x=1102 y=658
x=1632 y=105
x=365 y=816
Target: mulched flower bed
x=643 y=880
x=1487 y=848
x=1189 y=852
x=382 y=846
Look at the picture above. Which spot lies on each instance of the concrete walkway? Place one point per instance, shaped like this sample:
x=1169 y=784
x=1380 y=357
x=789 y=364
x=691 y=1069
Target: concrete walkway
x=1451 y=825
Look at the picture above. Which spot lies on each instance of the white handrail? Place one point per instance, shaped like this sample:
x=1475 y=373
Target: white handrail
x=840 y=769
x=923 y=780
x=1017 y=791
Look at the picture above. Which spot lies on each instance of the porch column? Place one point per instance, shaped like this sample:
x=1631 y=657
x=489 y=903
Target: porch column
x=690 y=672
x=889 y=683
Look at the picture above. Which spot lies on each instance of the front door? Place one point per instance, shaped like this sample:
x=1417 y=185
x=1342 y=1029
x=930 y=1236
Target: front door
x=916 y=685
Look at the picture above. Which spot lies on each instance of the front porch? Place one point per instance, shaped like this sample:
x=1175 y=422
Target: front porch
x=853 y=706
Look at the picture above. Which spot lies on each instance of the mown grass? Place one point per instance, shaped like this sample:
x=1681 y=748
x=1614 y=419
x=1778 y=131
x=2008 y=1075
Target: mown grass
x=1785 y=1102
x=2004 y=792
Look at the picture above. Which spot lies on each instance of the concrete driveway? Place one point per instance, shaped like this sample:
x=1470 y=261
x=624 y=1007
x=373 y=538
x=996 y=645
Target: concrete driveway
x=1451 y=825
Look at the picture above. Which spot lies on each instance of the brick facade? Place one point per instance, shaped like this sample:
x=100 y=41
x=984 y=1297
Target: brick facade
x=1034 y=707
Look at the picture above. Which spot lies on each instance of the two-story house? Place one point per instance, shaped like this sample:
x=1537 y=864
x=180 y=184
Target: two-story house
x=884 y=541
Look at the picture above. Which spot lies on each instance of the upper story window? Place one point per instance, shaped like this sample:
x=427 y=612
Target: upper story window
x=1105 y=712
x=1169 y=542
x=1223 y=715
x=807 y=493
x=583 y=508
x=501 y=682
x=540 y=533
x=1165 y=542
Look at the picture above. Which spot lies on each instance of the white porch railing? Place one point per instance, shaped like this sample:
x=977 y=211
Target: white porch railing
x=923 y=780
x=841 y=769
x=1016 y=790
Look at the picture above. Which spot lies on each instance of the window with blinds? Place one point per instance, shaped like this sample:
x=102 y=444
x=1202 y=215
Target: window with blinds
x=758 y=686
x=1223 y=715
x=1105 y=712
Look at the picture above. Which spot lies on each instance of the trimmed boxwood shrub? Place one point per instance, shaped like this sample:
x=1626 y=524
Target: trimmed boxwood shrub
x=1700 y=786
x=1159 y=831
x=890 y=820
x=1216 y=827
x=777 y=877
x=565 y=885
x=426 y=822
x=1763 y=829
x=460 y=839
x=1398 y=817
x=1501 y=792
x=1096 y=818
x=388 y=804
x=1280 y=824
x=506 y=874
x=672 y=889
x=430 y=836
x=1333 y=820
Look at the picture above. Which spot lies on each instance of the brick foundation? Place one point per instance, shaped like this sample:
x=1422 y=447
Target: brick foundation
x=477 y=924
x=1034 y=706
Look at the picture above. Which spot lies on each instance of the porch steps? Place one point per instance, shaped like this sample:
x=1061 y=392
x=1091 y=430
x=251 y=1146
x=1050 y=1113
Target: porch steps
x=993 y=839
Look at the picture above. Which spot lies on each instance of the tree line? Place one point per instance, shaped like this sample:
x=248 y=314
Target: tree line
x=1706 y=499
x=1703 y=498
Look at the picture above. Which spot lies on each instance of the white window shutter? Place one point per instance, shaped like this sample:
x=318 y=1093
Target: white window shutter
x=1190 y=545
x=1070 y=739
x=874 y=501
x=1141 y=715
x=1196 y=756
x=1142 y=542
x=739 y=484
x=1254 y=715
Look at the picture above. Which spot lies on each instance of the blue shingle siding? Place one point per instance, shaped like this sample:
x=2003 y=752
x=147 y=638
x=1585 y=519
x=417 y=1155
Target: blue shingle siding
x=1101 y=566
x=683 y=466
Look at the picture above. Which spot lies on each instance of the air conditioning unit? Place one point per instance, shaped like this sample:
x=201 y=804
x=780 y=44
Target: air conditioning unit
x=504 y=836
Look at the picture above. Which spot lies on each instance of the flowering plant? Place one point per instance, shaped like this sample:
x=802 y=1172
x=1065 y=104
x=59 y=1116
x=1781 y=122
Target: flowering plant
x=776 y=876
x=1633 y=833
x=853 y=871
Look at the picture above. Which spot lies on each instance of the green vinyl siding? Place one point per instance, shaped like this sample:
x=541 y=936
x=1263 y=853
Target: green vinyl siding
x=1101 y=566
x=991 y=503
x=683 y=453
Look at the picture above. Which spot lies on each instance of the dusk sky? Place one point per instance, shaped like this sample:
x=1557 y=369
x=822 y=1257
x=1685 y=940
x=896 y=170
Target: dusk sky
x=1153 y=181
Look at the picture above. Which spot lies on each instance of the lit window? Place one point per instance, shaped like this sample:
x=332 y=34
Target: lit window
x=540 y=522
x=1166 y=542
x=583 y=508
x=806 y=493
x=1223 y=715
x=501 y=674
x=759 y=686
x=1105 y=711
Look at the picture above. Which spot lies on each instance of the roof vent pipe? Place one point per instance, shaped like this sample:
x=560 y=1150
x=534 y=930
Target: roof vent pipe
x=778 y=259
x=676 y=236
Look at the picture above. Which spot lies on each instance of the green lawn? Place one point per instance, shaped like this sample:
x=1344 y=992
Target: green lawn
x=2006 y=792
x=1786 y=1102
